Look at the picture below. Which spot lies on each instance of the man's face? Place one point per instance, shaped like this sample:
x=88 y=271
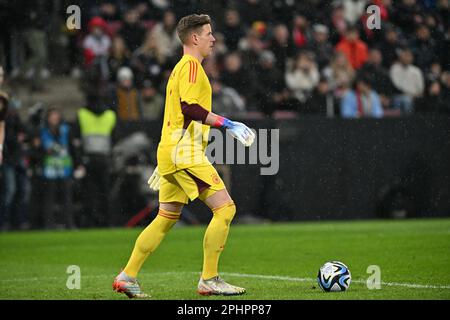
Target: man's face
x=205 y=40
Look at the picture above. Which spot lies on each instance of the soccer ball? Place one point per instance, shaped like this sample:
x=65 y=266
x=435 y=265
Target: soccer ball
x=334 y=276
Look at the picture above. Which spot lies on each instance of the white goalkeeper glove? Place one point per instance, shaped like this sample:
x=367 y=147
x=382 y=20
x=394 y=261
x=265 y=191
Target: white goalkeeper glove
x=155 y=180
x=240 y=132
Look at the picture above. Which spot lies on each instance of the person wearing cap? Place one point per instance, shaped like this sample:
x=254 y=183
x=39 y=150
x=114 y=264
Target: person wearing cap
x=320 y=45
x=125 y=97
x=270 y=88
x=97 y=43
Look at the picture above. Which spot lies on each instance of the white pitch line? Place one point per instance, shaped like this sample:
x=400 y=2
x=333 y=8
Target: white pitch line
x=238 y=275
x=285 y=278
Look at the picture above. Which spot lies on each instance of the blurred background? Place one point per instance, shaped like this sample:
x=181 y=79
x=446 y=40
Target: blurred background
x=363 y=113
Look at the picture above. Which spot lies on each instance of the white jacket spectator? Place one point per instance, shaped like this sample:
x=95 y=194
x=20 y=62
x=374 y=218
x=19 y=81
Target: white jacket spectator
x=303 y=78
x=406 y=77
x=166 y=35
x=353 y=10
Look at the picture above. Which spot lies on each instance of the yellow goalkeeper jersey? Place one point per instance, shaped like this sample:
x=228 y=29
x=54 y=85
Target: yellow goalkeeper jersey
x=183 y=141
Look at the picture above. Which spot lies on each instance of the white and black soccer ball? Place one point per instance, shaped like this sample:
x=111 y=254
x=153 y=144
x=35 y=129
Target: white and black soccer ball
x=334 y=276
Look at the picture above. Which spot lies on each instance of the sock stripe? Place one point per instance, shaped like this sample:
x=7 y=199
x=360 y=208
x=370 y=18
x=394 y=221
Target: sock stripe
x=169 y=214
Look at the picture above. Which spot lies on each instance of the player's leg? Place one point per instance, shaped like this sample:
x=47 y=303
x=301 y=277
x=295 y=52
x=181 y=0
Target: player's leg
x=145 y=245
x=172 y=199
x=214 y=241
x=151 y=237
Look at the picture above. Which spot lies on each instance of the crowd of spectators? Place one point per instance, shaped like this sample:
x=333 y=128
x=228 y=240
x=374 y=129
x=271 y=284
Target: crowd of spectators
x=270 y=56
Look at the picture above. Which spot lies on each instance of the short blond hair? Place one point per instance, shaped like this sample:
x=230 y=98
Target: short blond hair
x=191 y=23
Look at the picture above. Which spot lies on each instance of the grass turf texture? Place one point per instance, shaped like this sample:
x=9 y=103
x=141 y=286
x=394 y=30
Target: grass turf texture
x=33 y=264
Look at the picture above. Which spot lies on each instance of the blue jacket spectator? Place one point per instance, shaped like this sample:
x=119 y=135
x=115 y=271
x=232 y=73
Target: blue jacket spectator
x=57 y=162
x=361 y=102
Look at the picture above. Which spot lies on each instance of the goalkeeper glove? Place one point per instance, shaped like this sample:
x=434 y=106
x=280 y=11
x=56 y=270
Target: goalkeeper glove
x=239 y=131
x=154 y=180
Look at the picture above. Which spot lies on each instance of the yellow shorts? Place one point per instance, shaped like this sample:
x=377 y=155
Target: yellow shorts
x=199 y=181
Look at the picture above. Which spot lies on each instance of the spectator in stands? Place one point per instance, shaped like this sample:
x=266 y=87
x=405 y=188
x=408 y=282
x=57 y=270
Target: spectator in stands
x=281 y=45
x=424 y=48
x=353 y=10
x=152 y=102
x=270 y=88
x=166 y=36
x=338 y=25
x=58 y=164
x=251 y=47
x=362 y=101
x=95 y=131
x=390 y=45
x=109 y=11
x=148 y=62
x=433 y=100
x=377 y=74
x=36 y=28
x=408 y=80
x=300 y=32
x=355 y=50
x=340 y=74
x=434 y=72
x=236 y=77
x=227 y=101
x=15 y=181
x=125 y=97
x=119 y=57
x=232 y=30
x=132 y=31
x=320 y=45
x=321 y=101
x=302 y=77
x=97 y=44
x=406 y=15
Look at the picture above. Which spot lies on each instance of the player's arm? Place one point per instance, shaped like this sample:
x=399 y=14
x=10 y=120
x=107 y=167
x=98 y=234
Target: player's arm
x=237 y=129
x=191 y=92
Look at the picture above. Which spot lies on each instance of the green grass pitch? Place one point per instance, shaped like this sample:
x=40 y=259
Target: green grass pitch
x=275 y=261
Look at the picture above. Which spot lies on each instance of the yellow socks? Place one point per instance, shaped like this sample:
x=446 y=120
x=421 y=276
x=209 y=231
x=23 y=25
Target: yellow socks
x=215 y=238
x=149 y=240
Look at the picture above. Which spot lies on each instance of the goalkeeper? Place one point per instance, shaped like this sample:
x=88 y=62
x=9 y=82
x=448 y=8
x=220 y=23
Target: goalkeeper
x=184 y=172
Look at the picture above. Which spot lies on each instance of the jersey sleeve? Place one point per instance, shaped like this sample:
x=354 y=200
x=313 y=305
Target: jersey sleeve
x=190 y=87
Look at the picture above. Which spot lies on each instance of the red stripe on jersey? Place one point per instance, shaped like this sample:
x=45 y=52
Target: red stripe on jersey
x=190 y=71
x=195 y=72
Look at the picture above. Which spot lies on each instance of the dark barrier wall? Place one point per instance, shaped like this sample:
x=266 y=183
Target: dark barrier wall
x=340 y=169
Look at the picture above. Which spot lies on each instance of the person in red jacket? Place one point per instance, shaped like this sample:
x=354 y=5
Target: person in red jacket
x=354 y=48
